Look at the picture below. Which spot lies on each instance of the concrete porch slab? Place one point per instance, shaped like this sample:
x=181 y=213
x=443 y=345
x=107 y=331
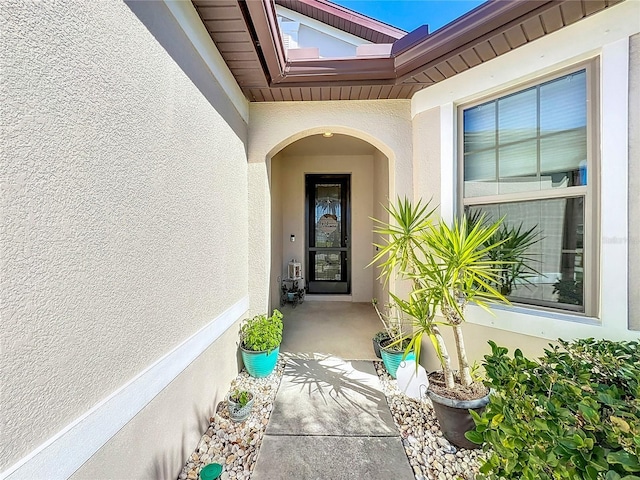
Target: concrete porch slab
x=335 y=458
x=330 y=397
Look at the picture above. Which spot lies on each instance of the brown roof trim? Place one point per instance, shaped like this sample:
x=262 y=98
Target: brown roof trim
x=265 y=24
x=253 y=49
x=485 y=20
x=345 y=70
x=344 y=19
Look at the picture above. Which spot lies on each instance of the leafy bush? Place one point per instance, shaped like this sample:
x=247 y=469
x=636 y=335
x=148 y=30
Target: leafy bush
x=262 y=333
x=572 y=414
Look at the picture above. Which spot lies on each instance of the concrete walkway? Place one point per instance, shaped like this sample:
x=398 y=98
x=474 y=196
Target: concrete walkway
x=331 y=421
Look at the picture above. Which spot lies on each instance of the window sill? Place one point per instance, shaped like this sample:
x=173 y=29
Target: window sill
x=545 y=313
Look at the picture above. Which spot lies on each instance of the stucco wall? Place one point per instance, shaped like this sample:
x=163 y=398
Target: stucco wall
x=426 y=156
x=476 y=338
x=124 y=200
x=155 y=444
x=634 y=182
x=605 y=38
x=380 y=200
x=384 y=124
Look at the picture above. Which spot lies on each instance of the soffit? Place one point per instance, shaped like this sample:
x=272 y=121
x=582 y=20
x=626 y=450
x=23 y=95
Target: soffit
x=247 y=36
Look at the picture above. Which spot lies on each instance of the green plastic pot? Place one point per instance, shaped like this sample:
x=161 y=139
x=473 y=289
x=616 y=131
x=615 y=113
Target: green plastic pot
x=211 y=471
x=260 y=364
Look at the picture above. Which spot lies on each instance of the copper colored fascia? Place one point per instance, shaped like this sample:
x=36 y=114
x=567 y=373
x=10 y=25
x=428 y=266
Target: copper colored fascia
x=411 y=55
x=482 y=23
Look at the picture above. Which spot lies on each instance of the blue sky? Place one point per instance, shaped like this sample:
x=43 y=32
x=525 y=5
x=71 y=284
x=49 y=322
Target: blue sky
x=410 y=14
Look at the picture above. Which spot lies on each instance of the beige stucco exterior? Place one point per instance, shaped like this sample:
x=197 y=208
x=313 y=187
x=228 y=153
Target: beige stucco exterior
x=386 y=125
x=120 y=235
x=147 y=208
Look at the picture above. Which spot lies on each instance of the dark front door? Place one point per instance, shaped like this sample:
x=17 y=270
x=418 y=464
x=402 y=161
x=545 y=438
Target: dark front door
x=328 y=233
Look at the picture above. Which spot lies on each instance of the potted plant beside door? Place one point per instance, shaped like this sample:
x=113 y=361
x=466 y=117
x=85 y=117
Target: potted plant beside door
x=260 y=339
x=449 y=267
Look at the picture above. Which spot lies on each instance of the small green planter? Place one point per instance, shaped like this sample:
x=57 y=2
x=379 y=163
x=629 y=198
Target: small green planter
x=260 y=364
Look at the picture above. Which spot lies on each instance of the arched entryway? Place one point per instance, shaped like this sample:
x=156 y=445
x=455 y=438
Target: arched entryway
x=324 y=190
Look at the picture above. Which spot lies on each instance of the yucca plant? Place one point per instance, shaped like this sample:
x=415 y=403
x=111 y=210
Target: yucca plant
x=458 y=270
x=449 y=267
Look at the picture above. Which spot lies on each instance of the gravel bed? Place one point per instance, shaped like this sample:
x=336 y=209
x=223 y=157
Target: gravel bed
x=236 y=445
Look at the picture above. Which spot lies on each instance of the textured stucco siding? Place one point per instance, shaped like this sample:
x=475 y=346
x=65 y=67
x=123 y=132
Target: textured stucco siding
x=426 y=156
x=273 y=126
x=124 y=211
x=634 y=182
x=155 y=444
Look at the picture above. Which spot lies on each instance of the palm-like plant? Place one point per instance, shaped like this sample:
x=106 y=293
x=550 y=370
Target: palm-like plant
x=457 y=270
x=449 y=266
x=404 y=245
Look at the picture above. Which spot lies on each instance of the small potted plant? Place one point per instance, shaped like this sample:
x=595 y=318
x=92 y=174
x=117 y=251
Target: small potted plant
x=395 y=339
x=240 y=403
x=377 y=339
x=260 y=339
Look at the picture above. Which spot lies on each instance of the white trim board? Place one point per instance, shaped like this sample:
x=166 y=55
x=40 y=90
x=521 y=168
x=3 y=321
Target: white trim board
x=64 y=453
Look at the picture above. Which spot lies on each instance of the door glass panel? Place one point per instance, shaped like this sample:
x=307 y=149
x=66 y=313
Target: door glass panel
x=328 y=266
x=328 y=215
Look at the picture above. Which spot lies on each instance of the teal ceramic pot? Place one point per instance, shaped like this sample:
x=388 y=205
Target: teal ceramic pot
x=260 y=364
x=392 y=359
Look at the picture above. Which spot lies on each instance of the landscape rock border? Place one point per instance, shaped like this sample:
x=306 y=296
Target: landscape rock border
x=236 y=445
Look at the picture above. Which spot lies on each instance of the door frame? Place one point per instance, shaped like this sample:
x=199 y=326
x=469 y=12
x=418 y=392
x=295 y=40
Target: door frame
x=345 y=179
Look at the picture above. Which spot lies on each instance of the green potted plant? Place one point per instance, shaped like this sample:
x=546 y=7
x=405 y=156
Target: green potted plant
x=449 y=267
x=239 y=403
x=379 y=337
x=260 y=339
x=395 y=338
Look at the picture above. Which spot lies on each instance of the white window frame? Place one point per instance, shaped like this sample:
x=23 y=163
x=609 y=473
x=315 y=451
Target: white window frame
x=590 y=192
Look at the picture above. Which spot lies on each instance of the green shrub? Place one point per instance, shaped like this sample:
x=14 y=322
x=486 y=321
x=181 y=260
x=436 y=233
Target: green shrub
x=572 y=414
x=262 y=333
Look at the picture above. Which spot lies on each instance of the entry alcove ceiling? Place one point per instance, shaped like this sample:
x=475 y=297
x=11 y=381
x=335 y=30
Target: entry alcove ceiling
x=336 y=145
x=247 y=35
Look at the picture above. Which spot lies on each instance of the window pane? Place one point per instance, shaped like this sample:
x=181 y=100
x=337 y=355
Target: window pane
x=563 y=104
x=480 y=127
x=563 y=159
x=557 y=256
x=518 y=167
x=518 y=116
x=480 y=174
